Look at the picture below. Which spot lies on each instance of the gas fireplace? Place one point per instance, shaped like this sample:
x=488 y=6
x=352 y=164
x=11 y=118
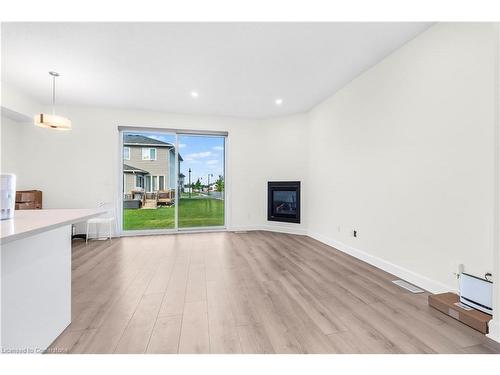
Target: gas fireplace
x=283 y=201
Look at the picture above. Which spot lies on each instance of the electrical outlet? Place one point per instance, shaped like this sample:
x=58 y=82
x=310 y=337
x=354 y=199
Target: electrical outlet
x=338 y=228
x=457 y=269
x=355 y=233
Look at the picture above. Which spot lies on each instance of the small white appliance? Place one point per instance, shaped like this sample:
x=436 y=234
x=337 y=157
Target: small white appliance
x=8 y=195
x=476 y=292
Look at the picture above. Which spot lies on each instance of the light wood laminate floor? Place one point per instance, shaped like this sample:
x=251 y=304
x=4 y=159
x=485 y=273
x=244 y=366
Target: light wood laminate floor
x=255 y=292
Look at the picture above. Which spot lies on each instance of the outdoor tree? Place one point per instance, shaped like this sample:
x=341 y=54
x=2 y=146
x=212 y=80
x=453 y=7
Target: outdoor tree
x=197 y=185
x=220 y=183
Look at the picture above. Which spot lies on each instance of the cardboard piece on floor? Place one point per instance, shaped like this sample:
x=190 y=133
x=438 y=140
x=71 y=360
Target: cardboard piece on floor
x=446 y=303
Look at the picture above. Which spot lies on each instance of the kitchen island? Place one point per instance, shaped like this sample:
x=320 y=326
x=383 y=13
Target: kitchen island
x=35 y=276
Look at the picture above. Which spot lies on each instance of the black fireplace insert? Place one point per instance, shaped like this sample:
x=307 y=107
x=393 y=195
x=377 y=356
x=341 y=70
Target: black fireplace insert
x=283 y=201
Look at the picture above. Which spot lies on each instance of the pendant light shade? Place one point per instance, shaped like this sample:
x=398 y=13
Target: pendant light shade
x=45 y=120
x=52 y=121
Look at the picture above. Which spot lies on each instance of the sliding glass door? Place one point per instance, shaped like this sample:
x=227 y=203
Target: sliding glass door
x=201 y=202
x=149 y=183
x=172 y=181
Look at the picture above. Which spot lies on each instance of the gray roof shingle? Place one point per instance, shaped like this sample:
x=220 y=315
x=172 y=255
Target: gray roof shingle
x=129 y=168
x=136 y=139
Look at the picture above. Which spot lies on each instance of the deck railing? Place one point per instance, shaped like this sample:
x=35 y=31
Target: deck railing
x=162 y=196
x=151 y=195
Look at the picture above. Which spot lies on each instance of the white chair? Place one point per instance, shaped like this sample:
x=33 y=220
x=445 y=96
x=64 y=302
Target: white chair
x=98 y=221
x=101 y=220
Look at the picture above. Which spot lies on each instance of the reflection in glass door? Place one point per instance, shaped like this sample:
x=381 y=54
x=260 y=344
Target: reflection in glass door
x=149 y=183
x=201 y=181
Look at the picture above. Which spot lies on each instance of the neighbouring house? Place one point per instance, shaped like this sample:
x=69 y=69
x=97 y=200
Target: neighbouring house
x=148 y=164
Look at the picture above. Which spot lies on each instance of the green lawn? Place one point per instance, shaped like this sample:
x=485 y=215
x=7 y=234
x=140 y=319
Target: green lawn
x=192 y=213
x=193 y=195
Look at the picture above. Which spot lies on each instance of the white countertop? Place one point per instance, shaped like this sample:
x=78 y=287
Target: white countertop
x=29 y=222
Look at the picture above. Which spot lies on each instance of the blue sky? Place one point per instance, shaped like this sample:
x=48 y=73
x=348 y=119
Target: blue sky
x=203 y=154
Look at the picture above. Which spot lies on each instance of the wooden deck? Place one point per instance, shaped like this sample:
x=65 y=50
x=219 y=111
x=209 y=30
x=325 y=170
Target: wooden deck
x=151 y=200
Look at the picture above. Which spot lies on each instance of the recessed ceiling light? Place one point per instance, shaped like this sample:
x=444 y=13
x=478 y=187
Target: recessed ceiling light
x=278 y=101
x=194 y=94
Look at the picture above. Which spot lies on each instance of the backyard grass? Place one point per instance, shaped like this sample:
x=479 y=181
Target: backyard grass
x=192 y=213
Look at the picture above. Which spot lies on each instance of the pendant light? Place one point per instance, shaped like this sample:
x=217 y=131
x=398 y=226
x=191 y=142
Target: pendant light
x=53 y=121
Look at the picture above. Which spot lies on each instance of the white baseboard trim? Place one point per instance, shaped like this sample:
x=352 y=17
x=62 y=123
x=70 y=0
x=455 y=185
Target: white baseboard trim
x=403 y=273
x=284 y=229
x=494 y=329
x=243 y=228
x=270 y=228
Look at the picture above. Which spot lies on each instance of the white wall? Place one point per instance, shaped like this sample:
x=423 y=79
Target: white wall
x=494 y=324
x=18 y=102
x=79 y=168
x=9 y=140
x=405 y=155
x=281 y=154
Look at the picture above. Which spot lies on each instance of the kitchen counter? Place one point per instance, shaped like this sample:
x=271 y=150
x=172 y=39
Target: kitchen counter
x=28 y=222
x=35 y=260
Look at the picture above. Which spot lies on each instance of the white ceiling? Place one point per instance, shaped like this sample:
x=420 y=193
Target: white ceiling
x=238 y=69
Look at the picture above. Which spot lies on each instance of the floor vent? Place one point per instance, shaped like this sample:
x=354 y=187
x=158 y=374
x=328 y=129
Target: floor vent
x=412 y=288
x=240 y=231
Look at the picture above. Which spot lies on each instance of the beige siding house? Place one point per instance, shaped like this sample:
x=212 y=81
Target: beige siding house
x=148 y=164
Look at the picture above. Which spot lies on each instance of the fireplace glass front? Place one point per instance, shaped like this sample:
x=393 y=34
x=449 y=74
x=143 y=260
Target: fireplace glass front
x=284 y=201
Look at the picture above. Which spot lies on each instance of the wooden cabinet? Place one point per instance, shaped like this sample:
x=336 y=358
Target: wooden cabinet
x=28 y=200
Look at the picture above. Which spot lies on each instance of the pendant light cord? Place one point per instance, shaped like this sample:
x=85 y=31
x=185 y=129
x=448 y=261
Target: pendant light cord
x=53 y=94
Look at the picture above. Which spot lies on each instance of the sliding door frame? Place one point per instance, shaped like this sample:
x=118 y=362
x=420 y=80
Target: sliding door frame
x=176 y=229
